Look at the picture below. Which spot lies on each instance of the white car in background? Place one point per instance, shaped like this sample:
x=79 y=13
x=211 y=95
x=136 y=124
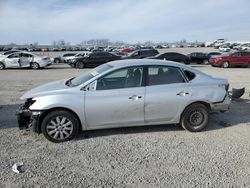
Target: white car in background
x=23 y=60
x=245 y=47
x=224 y=48
x=81 y=54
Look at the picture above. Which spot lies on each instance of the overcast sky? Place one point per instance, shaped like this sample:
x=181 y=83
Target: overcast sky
x=127 y=20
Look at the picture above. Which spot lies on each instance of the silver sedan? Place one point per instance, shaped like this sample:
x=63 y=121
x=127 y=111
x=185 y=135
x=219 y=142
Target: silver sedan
x=122 y=94
x=21 y=59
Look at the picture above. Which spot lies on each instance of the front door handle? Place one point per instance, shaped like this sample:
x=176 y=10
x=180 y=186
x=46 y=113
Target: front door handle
x=182 y=93
x=135 y=97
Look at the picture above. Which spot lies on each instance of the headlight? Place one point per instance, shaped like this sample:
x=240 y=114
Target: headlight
x=28 y=103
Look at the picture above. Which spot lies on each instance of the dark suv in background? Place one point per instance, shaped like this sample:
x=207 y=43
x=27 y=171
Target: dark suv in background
x=94 y=59
x=140 y=54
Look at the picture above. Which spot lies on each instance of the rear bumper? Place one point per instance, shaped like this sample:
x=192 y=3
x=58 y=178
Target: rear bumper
x=223 y=105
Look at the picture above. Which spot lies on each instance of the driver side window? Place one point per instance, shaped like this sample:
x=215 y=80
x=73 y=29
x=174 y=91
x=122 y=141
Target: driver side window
x=123 y=78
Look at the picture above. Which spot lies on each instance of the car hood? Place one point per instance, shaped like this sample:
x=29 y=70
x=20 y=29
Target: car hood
x=47 y=89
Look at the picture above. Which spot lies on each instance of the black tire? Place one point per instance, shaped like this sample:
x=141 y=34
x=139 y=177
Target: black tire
x=195 y=117
x=225 y=64
x=34 y=65
x=80 y=65
x=2 y=66
x=248 y=65
x=57 y=60
x=53 y=131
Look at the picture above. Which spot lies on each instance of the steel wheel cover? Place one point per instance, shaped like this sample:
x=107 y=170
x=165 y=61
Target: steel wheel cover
x=196 y=118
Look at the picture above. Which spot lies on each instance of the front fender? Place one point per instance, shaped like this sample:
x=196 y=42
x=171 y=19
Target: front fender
x=74 y=103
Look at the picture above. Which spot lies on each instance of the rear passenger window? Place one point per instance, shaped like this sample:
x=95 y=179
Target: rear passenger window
x=189 y=75
x=246 y=54
x=159 y=75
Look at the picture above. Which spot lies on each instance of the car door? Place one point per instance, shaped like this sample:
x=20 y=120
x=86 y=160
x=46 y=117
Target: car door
x=167 y=93
x=236 y=58
x=12 y=60
x=245 y=58
x=93 y=60
x=25 y=60
x=117 y=100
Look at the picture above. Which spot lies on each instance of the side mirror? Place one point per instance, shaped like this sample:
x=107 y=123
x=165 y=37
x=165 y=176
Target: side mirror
x=92 y=86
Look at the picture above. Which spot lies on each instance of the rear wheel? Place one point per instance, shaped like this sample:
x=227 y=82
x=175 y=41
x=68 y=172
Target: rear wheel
x=2 y=66
x=248 y=65
x=195 y=117
x=34 y=65
x=225 y=64
x=80 y=65
x=60 y=126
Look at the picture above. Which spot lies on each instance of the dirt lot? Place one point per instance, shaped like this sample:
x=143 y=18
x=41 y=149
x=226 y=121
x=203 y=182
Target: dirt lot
x=154 y=156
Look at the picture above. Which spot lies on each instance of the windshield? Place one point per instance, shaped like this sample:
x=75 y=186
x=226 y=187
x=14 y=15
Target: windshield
x=226 y=54
x=88 y=75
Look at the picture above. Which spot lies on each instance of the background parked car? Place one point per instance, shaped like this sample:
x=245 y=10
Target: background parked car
x=202 y=58
x=239 y=58
x=63 y=58
x=140 y=54
x=173 y=56
x=122 y=54
x=127 y=50
x=245 y=47
x=23 y=59
x=224 y=48
x=81 y=54
x=93 y=59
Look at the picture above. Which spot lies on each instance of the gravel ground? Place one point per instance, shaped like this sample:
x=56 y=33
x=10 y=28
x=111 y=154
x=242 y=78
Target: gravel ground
x=153 y=156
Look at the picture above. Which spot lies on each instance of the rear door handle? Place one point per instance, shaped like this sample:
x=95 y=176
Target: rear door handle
x=182 y=93
x=135 y=97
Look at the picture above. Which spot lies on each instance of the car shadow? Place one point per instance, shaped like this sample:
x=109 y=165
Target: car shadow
x=8 y=118
x=239 y=113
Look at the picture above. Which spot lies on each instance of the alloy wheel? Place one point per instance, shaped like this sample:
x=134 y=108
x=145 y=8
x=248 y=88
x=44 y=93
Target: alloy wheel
x=59 y=128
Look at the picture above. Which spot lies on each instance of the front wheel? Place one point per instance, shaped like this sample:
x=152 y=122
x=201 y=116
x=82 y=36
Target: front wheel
x=2 y=66
x=225 y=64
x=60 y=126
x=34 y=65
x=195 y=117
x=80 y=65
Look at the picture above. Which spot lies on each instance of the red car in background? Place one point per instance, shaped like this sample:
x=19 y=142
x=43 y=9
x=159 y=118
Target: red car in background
x=127 y=50
x=234 y=59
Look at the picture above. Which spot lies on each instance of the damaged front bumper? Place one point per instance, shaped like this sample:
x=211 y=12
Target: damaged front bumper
x=27 y=119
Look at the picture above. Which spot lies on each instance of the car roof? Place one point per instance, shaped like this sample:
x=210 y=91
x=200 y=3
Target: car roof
x=24 y=52
x=141 y=62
